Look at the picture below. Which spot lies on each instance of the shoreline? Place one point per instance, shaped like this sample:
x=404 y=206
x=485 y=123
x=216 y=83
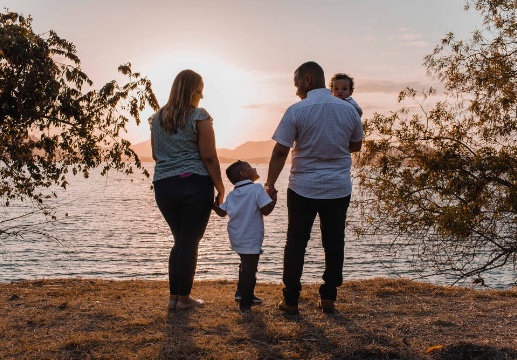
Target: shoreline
x=377 y=318
x=474 y=287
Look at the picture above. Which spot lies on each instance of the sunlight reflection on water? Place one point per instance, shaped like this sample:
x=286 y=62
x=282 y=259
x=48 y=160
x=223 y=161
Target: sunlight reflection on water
x=115 y=231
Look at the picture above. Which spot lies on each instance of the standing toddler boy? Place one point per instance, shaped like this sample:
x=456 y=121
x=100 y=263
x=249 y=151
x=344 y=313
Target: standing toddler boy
x=245 y=205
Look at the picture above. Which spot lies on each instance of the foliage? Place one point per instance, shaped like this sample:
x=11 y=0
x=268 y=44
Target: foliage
x=52 y=122
x=443 y=181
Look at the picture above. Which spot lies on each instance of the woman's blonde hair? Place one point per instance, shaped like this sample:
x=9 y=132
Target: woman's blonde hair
x=175 y=113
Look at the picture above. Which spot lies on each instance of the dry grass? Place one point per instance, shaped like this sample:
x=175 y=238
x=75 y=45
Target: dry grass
x=376 y=319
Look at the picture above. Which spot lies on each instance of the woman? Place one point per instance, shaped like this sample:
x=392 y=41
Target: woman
x=185 y=173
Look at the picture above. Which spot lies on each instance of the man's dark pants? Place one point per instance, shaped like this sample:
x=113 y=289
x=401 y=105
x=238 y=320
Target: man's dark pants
x=301 y=214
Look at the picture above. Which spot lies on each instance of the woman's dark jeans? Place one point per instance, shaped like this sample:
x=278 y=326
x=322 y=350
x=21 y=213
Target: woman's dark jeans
x=185 y=203
x=301 y=214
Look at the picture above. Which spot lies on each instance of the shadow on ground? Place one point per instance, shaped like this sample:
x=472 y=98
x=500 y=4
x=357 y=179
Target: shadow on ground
x=473 y=352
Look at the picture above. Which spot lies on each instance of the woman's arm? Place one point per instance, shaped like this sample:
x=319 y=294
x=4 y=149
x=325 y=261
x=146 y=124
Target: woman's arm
x=152 y=145
x=208 y=155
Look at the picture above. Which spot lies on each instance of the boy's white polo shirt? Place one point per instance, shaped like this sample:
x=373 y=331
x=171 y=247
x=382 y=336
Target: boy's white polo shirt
x=246 y=223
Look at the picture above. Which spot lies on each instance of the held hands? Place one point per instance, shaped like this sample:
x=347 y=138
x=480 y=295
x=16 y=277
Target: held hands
x=218 y=210
x=219 y=198
x=218 y=201
x=271 y=191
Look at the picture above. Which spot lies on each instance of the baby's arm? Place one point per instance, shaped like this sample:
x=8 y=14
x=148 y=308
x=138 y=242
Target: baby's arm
x=266 y=210
x=218 y=210
x=356 y=105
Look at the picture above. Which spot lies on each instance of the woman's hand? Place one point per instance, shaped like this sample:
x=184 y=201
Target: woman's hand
x=219 y=199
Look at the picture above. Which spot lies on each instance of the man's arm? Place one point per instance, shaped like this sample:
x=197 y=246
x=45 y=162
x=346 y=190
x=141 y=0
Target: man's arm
x=355 y=146
x=276 y=164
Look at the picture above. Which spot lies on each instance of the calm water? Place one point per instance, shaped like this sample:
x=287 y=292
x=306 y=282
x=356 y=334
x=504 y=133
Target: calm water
x=114 y=231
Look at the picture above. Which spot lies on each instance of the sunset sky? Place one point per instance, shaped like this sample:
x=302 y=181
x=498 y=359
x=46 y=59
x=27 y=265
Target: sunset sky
x=247 y=50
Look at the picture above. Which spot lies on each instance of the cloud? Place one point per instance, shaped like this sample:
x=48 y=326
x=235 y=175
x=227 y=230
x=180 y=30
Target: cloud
x=269 y=107
x=409 y=39
x=417 y=44
x=371 y=38
x=390 y=86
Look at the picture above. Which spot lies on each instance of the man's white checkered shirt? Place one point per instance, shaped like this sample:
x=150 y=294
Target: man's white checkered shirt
x=320 y=128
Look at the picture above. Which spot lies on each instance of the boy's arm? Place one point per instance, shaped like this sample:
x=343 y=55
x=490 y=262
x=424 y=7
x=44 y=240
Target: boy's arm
x=266 y=210
x=218 y=210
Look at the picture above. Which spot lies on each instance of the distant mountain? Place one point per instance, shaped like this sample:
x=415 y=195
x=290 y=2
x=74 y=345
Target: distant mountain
x=143 y=150
x=251 y=151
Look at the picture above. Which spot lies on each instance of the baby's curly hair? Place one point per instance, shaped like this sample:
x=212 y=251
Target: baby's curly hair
x=342 y=76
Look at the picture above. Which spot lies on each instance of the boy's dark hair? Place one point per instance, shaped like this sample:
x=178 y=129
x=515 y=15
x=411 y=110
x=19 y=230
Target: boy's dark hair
x=342 y=76
x=233 y=172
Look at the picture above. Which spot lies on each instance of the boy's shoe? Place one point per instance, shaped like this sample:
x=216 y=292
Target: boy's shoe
x=289 y=309
x=256 y=300
x=245 y=310
x=326 y=305
x=238 y=298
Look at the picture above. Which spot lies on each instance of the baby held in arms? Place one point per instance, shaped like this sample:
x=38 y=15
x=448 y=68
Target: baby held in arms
x=342 y=86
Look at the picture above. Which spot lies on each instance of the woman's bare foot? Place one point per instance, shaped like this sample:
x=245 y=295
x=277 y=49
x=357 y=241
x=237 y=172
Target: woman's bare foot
x=186 y=302
x=173 y=300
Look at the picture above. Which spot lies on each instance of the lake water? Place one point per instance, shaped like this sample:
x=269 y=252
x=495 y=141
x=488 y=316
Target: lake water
x=115 y=231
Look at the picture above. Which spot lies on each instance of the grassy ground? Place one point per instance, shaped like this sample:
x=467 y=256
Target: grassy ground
x=376 y=319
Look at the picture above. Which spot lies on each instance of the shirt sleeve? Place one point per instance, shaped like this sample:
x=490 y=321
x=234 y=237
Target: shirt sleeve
x=200 y=114
x=224 y=206
x=286 y=132
x=151 y=120
x=262 y=197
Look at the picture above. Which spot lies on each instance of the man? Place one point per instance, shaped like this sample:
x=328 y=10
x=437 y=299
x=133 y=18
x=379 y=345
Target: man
x=324 y=131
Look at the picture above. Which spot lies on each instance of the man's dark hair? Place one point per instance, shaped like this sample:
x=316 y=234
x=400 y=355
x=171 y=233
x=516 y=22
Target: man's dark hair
x=314 y=70
x=233 y=172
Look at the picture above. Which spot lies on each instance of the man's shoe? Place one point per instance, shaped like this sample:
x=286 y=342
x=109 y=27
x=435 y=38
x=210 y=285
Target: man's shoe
x=326 y=305
x=289 y=309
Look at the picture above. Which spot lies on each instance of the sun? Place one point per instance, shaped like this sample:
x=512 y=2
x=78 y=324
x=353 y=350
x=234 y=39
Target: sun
x=226 y=93
x=246 y=105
